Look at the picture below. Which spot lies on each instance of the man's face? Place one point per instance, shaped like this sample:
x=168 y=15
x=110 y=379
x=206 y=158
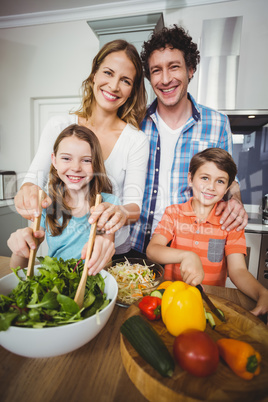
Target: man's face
x=169 y=76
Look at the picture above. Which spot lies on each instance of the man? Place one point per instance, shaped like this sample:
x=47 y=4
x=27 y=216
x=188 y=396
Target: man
x=177 y=128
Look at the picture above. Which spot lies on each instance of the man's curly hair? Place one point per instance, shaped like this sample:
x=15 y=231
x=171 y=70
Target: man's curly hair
x=176 y=38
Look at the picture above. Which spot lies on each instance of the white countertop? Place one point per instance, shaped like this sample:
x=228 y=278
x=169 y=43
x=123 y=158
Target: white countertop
x=5 y=203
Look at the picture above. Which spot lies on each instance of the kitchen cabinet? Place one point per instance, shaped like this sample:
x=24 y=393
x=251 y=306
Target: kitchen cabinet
x=251 y=87
x=10 y=221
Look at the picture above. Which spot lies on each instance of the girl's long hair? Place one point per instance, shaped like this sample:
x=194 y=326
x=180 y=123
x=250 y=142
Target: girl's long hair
x=133 y=110
x=57 y=189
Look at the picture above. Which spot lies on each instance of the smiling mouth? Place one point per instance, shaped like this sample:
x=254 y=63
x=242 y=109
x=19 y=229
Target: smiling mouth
x=75 y=179
x=109 y=96
x=207 y=195
x=169 y=90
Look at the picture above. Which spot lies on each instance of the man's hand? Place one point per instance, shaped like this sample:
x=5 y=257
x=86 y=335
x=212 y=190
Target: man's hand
x=234 y=215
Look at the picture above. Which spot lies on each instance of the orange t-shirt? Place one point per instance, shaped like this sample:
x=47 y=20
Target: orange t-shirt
x=180 y=226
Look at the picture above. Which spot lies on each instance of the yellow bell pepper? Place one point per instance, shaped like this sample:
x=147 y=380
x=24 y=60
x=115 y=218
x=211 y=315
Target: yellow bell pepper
x=182 y=308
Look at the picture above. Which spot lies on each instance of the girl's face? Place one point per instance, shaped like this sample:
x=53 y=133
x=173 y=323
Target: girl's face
x=73 y=163
x=114 y=80
x=209 y=184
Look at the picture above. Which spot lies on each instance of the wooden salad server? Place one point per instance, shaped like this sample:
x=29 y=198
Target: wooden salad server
x=36 y=226
x=80 y=293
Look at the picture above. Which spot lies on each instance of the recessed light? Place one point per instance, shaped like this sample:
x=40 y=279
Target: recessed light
x=252 y=116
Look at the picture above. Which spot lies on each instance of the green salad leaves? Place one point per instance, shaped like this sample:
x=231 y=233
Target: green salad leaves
x=47 y=299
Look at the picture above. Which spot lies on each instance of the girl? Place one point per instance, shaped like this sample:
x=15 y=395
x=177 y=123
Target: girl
x=113 y=105
x=77 y=174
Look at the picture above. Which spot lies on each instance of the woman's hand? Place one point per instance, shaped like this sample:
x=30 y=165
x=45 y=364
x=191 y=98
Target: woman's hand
x=26 y=201
x=110 y=217
x=21 y=241
x=191 y=268
x=102 y=253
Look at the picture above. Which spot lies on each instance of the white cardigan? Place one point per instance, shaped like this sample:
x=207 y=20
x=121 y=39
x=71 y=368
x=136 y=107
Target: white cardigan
x=126 y=165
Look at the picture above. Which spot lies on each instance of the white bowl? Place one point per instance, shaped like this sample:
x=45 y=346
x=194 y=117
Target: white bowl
x=55 y=341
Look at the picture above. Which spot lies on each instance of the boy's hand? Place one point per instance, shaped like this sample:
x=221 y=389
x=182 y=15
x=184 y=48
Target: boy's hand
x=191 y=268
x=262 y=304
x=21 y=241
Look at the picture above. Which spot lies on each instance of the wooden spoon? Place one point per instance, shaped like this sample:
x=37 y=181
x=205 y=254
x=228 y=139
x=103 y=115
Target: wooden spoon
x=80 y=293
x=30 y=270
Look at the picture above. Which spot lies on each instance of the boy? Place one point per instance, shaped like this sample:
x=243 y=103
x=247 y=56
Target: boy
x=200 y=251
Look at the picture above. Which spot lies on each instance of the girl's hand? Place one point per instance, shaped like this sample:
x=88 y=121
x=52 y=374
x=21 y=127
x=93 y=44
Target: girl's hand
x=102 y=253
x=110 y=217
x=191 y=268
x=26 y=201
x=21 y=241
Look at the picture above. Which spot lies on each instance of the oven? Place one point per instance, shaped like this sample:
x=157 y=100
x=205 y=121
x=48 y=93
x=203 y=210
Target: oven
x=263 y=261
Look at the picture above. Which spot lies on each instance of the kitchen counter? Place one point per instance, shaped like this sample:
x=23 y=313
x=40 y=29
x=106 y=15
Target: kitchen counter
x=256 y=227
x=92 y=373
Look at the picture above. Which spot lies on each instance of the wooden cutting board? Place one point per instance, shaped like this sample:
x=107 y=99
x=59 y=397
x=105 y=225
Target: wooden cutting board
x=224 y=385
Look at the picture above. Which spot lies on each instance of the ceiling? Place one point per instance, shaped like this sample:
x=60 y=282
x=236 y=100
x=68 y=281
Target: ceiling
x=17 y=13
x=17 y=7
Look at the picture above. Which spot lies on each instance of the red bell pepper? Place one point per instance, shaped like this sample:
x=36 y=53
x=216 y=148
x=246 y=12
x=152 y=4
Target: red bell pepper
x=150 y=306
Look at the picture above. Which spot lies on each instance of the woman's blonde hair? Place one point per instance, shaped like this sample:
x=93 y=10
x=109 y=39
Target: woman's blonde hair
x=57 y=189
x=134 y=108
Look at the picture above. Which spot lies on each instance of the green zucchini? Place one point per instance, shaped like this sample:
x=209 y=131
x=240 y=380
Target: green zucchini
x=211 y=320
x=157 y=293
x=146 y=341
x=221 y=312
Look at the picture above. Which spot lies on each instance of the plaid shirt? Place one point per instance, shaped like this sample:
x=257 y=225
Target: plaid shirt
x=206 y=128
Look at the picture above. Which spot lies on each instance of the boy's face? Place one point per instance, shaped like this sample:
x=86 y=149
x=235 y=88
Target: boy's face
x=209 y=184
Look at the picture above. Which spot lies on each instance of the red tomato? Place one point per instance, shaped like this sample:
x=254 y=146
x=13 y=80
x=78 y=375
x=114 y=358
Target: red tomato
x=196 y=352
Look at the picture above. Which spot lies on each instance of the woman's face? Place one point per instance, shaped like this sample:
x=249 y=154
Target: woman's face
x=73 y=163
x=113 y=82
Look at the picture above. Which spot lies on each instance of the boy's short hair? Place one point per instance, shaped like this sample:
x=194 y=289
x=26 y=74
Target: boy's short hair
x=222 y=159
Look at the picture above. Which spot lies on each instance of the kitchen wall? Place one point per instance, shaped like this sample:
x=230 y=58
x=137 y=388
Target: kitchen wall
x=52 y=60
x=38 y=61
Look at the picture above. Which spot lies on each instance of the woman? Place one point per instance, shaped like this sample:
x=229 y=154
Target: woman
x=113 y=105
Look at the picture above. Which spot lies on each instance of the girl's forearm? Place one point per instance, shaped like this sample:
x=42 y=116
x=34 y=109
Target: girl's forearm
x=17 y=261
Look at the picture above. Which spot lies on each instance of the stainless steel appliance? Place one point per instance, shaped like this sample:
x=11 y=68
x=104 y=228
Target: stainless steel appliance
x=263 y=261
x=8 y=184
x=265 y=210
